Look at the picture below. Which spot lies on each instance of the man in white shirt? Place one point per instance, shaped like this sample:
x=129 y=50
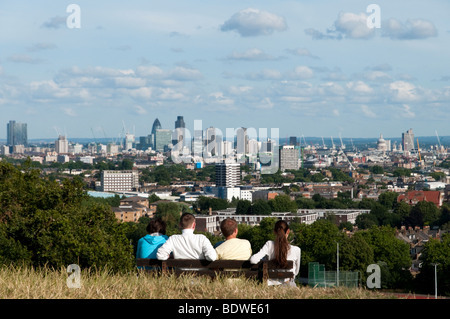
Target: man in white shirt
x=187 y=245
x=232 y=248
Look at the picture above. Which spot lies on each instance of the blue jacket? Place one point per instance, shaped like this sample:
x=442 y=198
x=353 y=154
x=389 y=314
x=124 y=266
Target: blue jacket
x=148 y=246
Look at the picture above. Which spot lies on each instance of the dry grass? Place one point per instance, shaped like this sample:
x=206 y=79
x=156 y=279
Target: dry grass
x=29 y=283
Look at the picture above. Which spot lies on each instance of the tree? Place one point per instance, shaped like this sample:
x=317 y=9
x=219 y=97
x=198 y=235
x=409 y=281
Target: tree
x=282 y=203
x=392 y=251
x=46 y=223
x=435 y=252
x=423 y=213
x=318 y=242
x=261 y=207
x=388 y=199
x=243 y=207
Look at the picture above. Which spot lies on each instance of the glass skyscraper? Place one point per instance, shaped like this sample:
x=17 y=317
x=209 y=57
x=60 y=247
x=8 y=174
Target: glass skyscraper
x=16 y=133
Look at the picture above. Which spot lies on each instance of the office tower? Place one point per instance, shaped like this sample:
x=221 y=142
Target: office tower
x=179 y=123
x=197 y=143
x=408 y=140
x=227 y=174
x=156 y=126
x=179 y=134
x=16 y=133
x=213 y=142
x=62 y=145
x=241 y=145
x=289 y=157
x=162 y=140
x=293 y=140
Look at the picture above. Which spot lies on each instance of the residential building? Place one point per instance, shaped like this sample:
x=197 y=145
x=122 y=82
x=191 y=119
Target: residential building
x=413 y=197
x=289 y=157
x=62 y=145
x=119 y=181
x=227 y=174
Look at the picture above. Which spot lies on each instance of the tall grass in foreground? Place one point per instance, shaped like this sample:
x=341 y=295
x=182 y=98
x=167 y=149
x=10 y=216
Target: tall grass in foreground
x=46 y=283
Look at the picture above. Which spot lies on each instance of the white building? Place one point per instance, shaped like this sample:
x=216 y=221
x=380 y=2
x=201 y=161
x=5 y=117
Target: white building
x=119 y=181
x=62 y=145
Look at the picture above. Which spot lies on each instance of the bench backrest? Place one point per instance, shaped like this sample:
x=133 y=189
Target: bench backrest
x=263 y=270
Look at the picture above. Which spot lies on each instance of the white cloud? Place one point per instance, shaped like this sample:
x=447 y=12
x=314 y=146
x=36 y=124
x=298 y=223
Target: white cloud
x=402 y=91
x=407 y=112
x=253 y=54
x=354 y=26
x=301 y=73
x=254 y=22
x=367 y=111
x=302 y=52
x=411 y=29
x=347 y=26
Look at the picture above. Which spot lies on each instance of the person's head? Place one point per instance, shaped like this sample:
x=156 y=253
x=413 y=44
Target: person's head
x=229 y=228
x=282 y=245
x=156 y=226
x=187 y=221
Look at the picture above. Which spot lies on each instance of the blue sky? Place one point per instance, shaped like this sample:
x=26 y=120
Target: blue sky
x=309 y=68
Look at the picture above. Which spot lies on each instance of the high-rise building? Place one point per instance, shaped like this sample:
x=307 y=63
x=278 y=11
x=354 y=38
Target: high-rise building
x=179 y=133
x=227 y=174
x=62 y=145
x=16 y=133
x=156 y=126
x=162 y=140
x=408 y=140
x=289 y=157
x=293 y=140
x=213 y=142
x=241 y=145
x=197 y=143
x=179 y=123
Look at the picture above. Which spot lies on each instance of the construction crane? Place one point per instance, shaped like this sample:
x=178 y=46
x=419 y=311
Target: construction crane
x=342 y=144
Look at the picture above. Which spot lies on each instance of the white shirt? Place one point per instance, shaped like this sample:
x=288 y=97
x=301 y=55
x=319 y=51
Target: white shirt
x=268 y=249
x=187 y=246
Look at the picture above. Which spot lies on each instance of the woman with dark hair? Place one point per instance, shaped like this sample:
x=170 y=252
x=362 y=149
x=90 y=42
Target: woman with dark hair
x=156 y=237
x=281 y=251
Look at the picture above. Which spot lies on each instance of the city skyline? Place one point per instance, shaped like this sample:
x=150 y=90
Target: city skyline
x=312 y=69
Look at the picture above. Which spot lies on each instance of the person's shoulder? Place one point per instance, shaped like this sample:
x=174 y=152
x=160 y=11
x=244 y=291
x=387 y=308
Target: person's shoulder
x=295 y=248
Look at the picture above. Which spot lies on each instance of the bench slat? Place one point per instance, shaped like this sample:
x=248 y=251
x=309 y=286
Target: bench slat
x=263 y=270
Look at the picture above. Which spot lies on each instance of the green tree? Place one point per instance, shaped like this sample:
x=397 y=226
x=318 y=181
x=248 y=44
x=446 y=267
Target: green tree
x=423 y=213
x=392 y=251
x=46 y=223
x=261 y=207
x=318 y=242
x=435 y=252
x=243 y=207
x=388 y=199
x=282 y=203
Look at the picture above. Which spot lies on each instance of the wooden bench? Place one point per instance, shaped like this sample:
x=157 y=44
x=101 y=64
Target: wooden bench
x=262 y=271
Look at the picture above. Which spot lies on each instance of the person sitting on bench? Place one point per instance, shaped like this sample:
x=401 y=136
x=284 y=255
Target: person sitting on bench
x=187 y=245
x=232 y=248
x=281 y=251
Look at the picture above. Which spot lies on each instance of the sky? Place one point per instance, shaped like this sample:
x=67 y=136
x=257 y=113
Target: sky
x=307 y=68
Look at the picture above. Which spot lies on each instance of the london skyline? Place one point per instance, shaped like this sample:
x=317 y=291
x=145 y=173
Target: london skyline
x=312 y=69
